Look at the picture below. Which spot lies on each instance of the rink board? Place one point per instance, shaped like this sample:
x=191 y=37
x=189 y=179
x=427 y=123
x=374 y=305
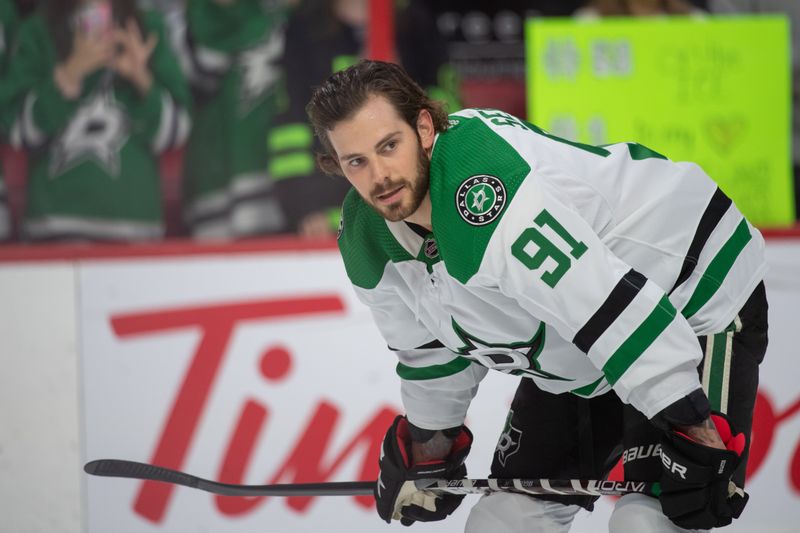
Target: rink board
x=261 y=366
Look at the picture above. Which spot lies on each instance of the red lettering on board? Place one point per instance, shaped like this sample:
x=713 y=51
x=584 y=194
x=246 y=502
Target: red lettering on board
x=765 y=421
x=216 y=322
x=307 y=462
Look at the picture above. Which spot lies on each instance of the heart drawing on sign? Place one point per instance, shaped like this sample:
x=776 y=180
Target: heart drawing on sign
x=723 y=133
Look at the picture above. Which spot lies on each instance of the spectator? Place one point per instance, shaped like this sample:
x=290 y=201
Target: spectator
x=8 y=26
x=97 y=93
x=232 y=49
x=324 y=36
x=636 y=8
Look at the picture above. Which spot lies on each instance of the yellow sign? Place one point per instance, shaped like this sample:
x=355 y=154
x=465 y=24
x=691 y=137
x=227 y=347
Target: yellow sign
x=712 y=90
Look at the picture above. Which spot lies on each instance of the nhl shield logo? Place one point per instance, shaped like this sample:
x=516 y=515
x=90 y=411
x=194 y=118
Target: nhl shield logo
x=431 y=250
x=480 y=199
x=509 y=442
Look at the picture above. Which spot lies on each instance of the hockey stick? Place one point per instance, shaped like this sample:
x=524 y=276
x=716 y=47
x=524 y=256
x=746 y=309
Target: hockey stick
x=568 y=487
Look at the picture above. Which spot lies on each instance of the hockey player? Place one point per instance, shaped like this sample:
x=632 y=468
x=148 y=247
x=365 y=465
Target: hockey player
x=480 y=241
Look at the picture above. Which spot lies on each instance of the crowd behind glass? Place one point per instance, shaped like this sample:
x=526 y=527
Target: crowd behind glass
x=126 y=121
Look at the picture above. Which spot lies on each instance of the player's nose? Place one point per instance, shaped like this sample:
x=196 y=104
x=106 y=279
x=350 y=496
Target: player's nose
x=380 y=171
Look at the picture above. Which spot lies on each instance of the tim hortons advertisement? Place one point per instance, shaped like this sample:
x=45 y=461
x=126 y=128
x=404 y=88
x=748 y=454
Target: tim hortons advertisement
x=263 y=368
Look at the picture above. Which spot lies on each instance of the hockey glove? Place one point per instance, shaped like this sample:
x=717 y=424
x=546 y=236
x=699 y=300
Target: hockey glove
x=395 y=493
x=696 y=487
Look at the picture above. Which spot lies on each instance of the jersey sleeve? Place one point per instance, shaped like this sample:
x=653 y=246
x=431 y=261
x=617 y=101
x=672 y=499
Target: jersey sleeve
x=546 y=257
x=436 y=385
x=515 y=227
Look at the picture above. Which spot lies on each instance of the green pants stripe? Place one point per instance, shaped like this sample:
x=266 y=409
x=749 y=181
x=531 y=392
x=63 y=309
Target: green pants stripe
x=717 y=366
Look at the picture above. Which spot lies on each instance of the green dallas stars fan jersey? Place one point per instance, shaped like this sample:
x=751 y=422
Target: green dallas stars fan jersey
x=93 y=168
x=583 y=268
x=8 y=27
x=233 y=49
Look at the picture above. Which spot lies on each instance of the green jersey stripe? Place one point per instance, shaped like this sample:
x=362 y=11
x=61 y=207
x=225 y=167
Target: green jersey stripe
x=716 y=369
x=587 y=390
x=639 y=341
x=639 y=152
x=718 y=269
x=434 y=371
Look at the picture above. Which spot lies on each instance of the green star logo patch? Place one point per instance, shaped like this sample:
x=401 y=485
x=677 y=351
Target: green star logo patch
x=480 y=199
x=517 y=358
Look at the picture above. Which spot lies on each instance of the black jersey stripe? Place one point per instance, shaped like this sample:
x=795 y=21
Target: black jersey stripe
x=714 y=212
x=431 y=345
x=621 y=295
x=419 y=230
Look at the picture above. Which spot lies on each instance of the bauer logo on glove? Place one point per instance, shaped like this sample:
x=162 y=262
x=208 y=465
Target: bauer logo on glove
x=696 y=487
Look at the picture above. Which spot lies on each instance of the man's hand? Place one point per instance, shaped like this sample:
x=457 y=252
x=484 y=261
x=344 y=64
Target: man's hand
x=395 y=493
x=696 y=487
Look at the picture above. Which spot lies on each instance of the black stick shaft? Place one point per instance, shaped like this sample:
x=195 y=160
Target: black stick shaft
x=132 y=469
x=569 y=487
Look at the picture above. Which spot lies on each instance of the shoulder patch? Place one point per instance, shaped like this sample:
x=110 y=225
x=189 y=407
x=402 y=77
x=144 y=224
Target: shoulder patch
x=475 y=173
x=480 y=199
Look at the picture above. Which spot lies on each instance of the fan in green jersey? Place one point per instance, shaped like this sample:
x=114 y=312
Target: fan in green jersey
x=97 y=94
x=8 y=27
x=624 y=289
x=231 y=50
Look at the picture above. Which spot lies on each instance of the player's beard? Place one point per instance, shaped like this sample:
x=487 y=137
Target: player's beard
x=417 y=188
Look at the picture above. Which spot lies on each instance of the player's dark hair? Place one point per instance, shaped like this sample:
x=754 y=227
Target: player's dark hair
x=344 y=93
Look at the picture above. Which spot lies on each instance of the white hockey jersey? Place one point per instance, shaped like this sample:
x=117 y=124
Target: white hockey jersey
x=583 y=268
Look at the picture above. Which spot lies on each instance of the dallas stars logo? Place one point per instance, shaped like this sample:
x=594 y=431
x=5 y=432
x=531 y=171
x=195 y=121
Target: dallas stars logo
x=517 y=358
x=480 y=199
x=509 y=442
x=96 y=132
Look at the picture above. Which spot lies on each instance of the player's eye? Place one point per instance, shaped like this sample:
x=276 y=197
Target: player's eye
x=355 y=162
x=390 y=146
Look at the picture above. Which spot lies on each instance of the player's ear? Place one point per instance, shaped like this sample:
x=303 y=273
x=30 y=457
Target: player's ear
x=425 y=129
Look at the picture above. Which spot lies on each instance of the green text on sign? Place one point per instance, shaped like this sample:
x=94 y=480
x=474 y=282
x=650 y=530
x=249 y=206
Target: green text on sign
x=712 y=90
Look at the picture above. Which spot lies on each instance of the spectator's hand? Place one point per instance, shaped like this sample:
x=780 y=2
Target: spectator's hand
x=131 y=61
x=90 y=51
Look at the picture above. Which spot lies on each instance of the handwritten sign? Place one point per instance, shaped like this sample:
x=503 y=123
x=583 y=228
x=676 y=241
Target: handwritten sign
x=712 y=90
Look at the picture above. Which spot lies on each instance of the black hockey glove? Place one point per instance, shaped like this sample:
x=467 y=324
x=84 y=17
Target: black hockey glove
x=395 y=493
x=696 y=487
